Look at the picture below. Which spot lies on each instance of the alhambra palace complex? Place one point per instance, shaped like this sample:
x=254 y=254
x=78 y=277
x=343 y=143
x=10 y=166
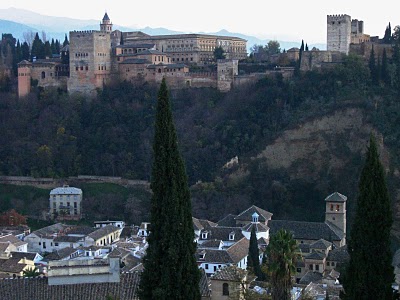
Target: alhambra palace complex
x=97 y=57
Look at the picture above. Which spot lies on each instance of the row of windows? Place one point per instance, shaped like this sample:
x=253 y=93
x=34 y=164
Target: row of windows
x=81 y=54
x=182 y=59
x=65 y=196
x=101 y=54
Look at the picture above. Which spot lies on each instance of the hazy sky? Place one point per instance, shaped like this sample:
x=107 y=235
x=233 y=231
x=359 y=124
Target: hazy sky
x=283 y=20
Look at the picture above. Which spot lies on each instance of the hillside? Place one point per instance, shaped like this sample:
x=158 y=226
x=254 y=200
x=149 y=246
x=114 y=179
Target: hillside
x=297 y=141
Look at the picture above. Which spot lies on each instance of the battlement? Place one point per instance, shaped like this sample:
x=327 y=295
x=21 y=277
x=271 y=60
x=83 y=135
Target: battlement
x=77 y=32
x=338 y=18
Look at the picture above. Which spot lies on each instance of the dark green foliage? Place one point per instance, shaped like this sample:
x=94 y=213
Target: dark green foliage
x=385 y=75
x=170 y=269
x=38 y=49
x=25 y=51
x=31 y=272
x=219 y=53
x=387 y=38
x=121 y=41
x=253 y=261
x=281 y=264
x=47 y=49
x=370 y=274
x=66 y=42
x=373 y=68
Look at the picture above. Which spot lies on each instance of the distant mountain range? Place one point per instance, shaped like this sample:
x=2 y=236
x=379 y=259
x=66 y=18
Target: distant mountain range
x=18 y=21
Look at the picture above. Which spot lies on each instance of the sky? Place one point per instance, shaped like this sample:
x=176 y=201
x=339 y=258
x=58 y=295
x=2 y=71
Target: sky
x=289 y=20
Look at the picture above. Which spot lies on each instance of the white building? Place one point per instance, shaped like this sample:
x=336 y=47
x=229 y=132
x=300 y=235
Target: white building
x=66 y=203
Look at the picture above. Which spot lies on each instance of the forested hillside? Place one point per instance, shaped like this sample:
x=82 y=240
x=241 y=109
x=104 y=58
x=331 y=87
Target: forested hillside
x=297 y=141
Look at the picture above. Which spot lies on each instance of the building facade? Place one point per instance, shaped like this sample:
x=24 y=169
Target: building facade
x=66 y=203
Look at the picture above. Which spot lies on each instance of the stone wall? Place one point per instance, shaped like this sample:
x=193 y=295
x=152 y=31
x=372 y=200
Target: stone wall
x=312 y=60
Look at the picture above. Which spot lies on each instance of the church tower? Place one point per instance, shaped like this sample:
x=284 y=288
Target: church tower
x=335 y=212
x=106 y=25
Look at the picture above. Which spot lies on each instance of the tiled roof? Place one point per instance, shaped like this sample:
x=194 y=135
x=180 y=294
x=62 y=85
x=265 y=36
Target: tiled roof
x=106 y=17
x=228 y=221
x=50 y=230
x=80 y=230
x=60 y=254
x=214 y=256
x=135 y=61
x=230 y=273
x=4 y=246
x=11 y=265
x=210 y=244
x=305 y=230
x=311 y=276
x=200 y=224
x=67 y=239
x=103 y=231
x=204 y=285
x=262 y=241
x=148 y=46
x=21 y=255
x=130 y=262
x=336 y=197
x=196 y=224
x=321 y=244
x=304 y=248
x=38 y=289
x=239 y=250
x=315 y=256
x=259 y=227
x=66 y=191
x=248 y=213
x=12 y=239
x=222 y=233
x=119 y=252
x=340 y=255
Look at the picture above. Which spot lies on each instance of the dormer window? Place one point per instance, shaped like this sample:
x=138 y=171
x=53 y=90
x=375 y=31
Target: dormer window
x=232 y=236
x=204 y=235
x=202 y=254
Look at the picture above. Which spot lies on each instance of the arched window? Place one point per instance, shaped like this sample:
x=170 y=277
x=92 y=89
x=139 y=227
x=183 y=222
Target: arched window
x=43 y=75
x=225 y=289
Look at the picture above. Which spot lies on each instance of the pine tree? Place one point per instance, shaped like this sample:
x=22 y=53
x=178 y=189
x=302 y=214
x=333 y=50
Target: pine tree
x=253 y=260
x=170 y=269
x=370 y=274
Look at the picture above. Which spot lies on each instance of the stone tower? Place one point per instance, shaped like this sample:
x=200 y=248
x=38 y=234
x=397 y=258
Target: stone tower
x=89 y=60
x=335 y=212
x=106 y=25
x=24 y=78
x=339 y=33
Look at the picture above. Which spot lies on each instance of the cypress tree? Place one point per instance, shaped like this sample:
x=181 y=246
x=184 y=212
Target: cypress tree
x=25 y=51
x=253 y=261
x=121 y=41
x=66 y=42
x=372 y=67
x=370 y=274
x=385 y=69
x=170 y=269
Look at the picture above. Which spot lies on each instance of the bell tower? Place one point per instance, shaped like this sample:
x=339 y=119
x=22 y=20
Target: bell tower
x=335 y=212
x=106 y=25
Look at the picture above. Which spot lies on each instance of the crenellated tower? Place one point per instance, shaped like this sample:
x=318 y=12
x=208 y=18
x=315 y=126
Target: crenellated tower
x=339 y=33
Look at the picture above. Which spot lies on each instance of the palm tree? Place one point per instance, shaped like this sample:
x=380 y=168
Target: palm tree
x=282 y=255
x=31 y=272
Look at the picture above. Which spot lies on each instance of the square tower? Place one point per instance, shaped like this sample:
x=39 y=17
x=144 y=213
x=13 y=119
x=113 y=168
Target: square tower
x=339 y=33
x=89 y=60
x=335 y=212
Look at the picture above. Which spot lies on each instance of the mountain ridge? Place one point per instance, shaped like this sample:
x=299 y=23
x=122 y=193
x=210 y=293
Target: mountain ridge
x=57 y=27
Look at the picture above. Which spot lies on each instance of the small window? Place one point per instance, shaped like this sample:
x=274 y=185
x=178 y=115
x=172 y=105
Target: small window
x=206 y=266
x=298 y=270
x=225 y=289
x=337 y=207
x=56 y=244
x=328 y=264
x=43 y=75
x=310 y=267
x=316 y=267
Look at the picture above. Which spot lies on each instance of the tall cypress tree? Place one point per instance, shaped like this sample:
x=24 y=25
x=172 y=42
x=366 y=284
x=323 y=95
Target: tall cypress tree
x=385 y=69
x=253 y=261
x=370 y=273
x=170 y=269
x=372 y=67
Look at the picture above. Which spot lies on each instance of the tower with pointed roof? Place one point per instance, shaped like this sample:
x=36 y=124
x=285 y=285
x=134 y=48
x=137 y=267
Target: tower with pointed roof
x=106 y=25
x=335 y=212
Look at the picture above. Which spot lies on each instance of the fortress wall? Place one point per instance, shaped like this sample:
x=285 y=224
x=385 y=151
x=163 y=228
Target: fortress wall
x=338 y=33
